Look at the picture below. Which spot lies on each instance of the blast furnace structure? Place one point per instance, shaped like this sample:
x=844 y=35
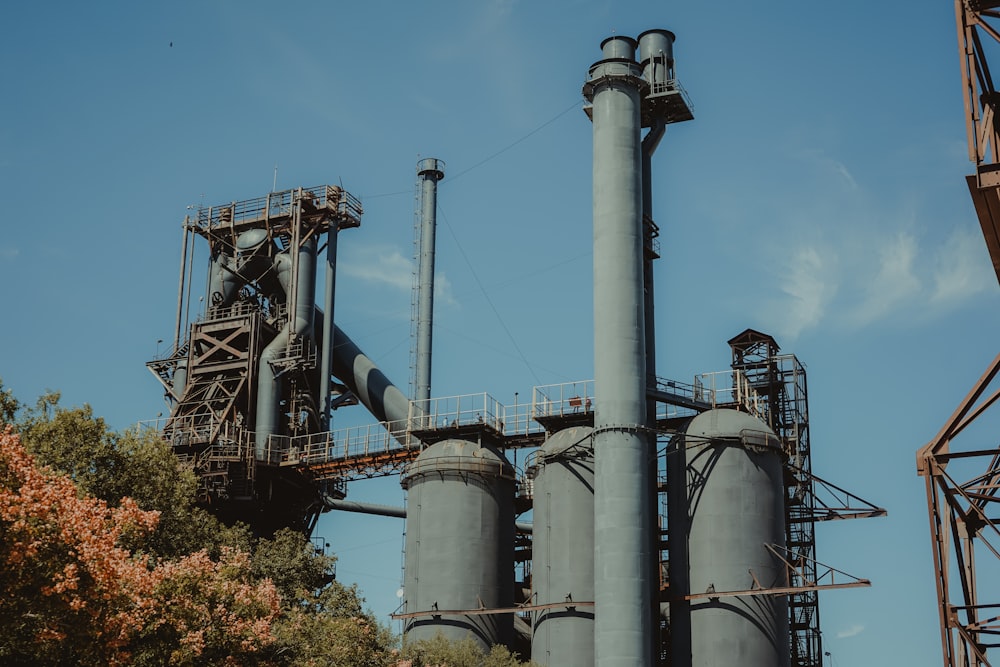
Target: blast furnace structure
x=672 y=521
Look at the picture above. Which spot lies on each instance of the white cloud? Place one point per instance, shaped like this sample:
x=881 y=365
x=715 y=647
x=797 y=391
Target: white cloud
x=959 y=270
x=895 y=282
x=807 y=288
x=386 y=266
x=852 y=631
x=379 y=265
x=443 y=294
x=861 y=278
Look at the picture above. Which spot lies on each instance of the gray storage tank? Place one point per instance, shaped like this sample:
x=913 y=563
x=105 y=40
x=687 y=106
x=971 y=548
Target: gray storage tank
x=563 y=549
x=727 y=500
x=459 y=543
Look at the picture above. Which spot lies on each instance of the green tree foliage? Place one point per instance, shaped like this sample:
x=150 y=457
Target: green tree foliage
x=125 y=569
x=441 y=652
x=8 y=405
x=134 y=464
x=71 y=594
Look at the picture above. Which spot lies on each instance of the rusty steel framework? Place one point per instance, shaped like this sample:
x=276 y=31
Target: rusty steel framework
x=780 y=381
x=961 y=511
x=210 y=376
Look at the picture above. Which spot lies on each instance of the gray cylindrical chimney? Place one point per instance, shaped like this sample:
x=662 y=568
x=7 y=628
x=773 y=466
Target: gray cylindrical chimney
x=656 y=55
x=622 y=555
x=430 y=171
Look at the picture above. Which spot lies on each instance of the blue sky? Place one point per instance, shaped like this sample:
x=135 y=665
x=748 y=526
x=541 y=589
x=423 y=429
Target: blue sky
x=818 y=195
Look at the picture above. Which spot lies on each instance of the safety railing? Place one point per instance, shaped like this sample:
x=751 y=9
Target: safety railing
x=386 y=440
x=559 y=400
x=729 y=389
x=465 y=410
x=280 y=204
x=356 y=442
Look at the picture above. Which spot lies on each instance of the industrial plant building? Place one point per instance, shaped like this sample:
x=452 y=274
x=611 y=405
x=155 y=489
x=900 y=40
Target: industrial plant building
x=671 y=522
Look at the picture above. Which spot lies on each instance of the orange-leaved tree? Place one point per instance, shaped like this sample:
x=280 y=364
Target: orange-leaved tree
x=70 y=593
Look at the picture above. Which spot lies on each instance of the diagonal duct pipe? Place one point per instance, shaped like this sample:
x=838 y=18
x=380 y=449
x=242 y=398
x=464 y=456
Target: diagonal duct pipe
x=366 y=381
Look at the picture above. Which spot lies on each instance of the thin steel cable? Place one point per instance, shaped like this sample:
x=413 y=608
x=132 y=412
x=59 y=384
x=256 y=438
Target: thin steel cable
x=486 y=296
x=487 y=158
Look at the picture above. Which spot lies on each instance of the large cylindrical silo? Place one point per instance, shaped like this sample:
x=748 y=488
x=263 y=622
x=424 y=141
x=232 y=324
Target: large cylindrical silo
x=624 y=583
x=726 y=508
x=459 y=543
x=562 y=567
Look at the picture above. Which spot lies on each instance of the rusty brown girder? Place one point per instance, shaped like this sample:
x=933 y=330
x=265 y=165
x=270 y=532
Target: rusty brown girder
x=961 y=527
x=959 y=511
x=977 y=22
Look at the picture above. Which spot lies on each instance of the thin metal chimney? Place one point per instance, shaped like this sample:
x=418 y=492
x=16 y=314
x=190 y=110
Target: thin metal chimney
x=429 y=172
x=329 y=301
x=622 y=512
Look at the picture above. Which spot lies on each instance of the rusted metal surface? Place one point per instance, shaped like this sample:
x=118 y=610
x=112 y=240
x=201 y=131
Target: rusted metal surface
x=959 y=512
x=958 y=509
x=977 y=23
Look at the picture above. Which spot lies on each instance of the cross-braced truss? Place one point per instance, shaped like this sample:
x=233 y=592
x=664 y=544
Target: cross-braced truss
x=964 y=524
x=959 y=506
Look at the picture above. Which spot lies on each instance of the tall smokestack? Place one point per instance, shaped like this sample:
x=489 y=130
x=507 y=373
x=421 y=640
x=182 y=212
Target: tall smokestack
x=622 y=512
x=429 y=171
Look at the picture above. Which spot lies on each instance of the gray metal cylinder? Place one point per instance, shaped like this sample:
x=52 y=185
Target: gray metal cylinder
x=269 y=386
x=622 y=490
x=223 y=282
x=656 y=55
x=179 y=380
x=430 y=171
x=459 y=543
x=329 y=301
x=563 y=549
x=619 y=46
x=726 y=506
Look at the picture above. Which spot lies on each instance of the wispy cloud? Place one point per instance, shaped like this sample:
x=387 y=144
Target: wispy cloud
x=852 y=631
x=959 y=271
x=807 y=288
x=8 y=253
x=388 y=267
x=380 y=265
x=893 y=284
x=860 y=279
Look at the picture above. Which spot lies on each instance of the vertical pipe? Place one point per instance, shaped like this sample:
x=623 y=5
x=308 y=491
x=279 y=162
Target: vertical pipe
x=180 y=289
x=655 y=52
x=430 y=171
x=326 y=360
x=300 y=290
x=649 y=144
x=622 y=587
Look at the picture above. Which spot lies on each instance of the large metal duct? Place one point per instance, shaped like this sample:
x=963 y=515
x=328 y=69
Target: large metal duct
x=459 y=543
x=726 y=508
x=376 y=509
x=179 y=380
x=622 y=511
x=562 y=566
x=300 y=322
x=366 y=381
x=430 y=171
x=223 y=281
